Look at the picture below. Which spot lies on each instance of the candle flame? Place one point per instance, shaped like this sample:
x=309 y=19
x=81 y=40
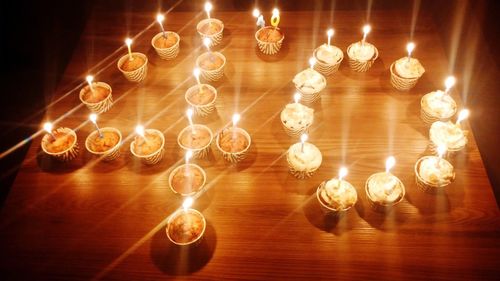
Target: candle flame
x=189 y=113
x=93 y=118
x=207 y=42
x=366 y=29
x=312 y=62
x=464 y=113
x=196 y=72
x=188 y=202
x=441 y=150
x=303 y=138
x=128 y=41
x=296 y=97
x=160 y=18
x=330 y=32
x=139 y=129
x=236 y=119
x=189 y=155
x=208 y=7
x=450 y=82
x=276 y=12
x=410 y=47
x=342 y=173
x=256 y=13
x=389 y=163
x=47 y=126
x=89 y=79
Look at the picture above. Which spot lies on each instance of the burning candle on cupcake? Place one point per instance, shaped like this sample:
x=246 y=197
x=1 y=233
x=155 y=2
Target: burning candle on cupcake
x=210 y=27
x=328 y=57
x=148 y=145
x=186 y=226
x=96 y=95
x=188 y=178
x=336 y=195
x=269 y=38
x=449 y=134
x=233 y=142
x=310 y=83
x=211 y=64
x=296 y=118
x=134 y=65
x=61 y=143
x=406 y=71
x=165 y=43
x=201 y=97
x=433 y=173
x=438 y=105
x=195 y=137
x=384 y=189
x=103 y=142
x=303 y=158
x=362 y=54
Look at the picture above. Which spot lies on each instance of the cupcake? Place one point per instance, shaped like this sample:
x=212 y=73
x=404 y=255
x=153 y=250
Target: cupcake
x=437 y=106
x=196 y=138
x=361 y=56
x=384 y=190
x=61 y=144
x=185 y=227
x=405 y=73
x=134 y=70
x=328 y=59
x=149 y=148
x=187 y=179
x=310 y=83
x=211 y=65
x=304 y=163
x=336 y=196
x=448 y=134
x=99 y=99
x=202 y=99
x=233 y=143
x=211 y=28
x=269 y=39
x=107 y=144
x=167 y=47
x=433 y=173
x=296 y=119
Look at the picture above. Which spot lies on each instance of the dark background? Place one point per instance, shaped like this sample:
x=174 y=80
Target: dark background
x=38 y=39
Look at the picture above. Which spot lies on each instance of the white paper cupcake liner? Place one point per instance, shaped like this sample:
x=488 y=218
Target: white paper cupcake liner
x=167 y=53
x=201 y=152
x=201 y=110
x=326 y=208
x=300 y=174
x=294 y=133
x=401 y=83
x=307 y=97
x=195 y=241
x=98 y=107
x=183 y=166
x=450 y=152
x=429 y=117
x=380 y=206
x=216 y=38
x=152 y=158
x=112 y=153
x=358 y=65
x=268 y=48
x=211 y=75
x=234 y=157
x=425 y=185
x=136 y=75
x=64 y=156
x=325 y=68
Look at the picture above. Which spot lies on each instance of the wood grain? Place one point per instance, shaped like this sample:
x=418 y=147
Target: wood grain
x=89 y=219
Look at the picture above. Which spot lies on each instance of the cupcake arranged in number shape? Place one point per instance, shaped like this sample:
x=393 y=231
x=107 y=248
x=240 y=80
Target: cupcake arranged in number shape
x=210 y=28
x=384 y=190
x=96 y=96
x=336 y=195
x=449 y=134
x=61 y=143
x=233 y=142
x=310 y=83
x=362 y=54
x=186 y=226
x=303 y=158
x=148 y=145
x=187 y=179
x=196 y=138
x=134 y=66
x=104 y=142
x=211 y=64
x=165 y=43
x=296 y=118
x=269 y=38
x=406 y=71
x=438 y=105
x=328 y=57
x=201 y=97
x=433 y=173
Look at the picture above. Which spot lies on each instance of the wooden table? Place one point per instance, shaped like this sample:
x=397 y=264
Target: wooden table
x=89 y=219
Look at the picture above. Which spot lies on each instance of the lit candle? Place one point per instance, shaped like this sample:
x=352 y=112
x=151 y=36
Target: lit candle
x=93 y=119
x=188 y=156
x=128 y=41
x=296 y=97
x=389 y=164
x=139 y=130
x=441 y=150
x=188 y=202
x=449 y=83
x=409 y=48
x=48 y=128
x=236 y=119
x=464 y=113
x=260 y=18
x=366 y=29
x=89 y=79
x=275 y=19
x=312 y=62
x=342 y=174
x=208 y=8
x=196 y=74
x=160 y=18
x=207 y=42
x=303 y=139
x=330 y=33
x=189 y=114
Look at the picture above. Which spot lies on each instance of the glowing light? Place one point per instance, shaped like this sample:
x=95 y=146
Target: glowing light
x=236 y=119
x=303 y=139
x=441 y=150
x=160 y=18
x=342 y=173
x=330 y=33
x=312 y=62
x=256 y=13
x=139 y=129
x=449 y=83
x=389 y=163
x=90 y=79
x=93 y=118
x=208 y=8
x=207 y=42
x=409 y=48
x=48 y=127
x=128 y=42
x=366 y=29
x=296 y=97
x=188 y=156
x=188 y=202
x=464 y=114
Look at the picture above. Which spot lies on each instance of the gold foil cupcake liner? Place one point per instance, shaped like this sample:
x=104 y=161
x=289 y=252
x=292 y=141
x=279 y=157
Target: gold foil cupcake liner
x=361 y=66
x=205 y=109
x=216 y=38
x=167 y=53
x=98 y=107
x=110 y=154
x=380 y=206
x=68 y=154
x=183 y=166
x=211 y=75
x=424 y=185
x=234 y=157
x=137 y=75
x=268 y=48
x=325 y=68
x=401 y=83
x=190 y=243
x=198 y=153
x=153 y=158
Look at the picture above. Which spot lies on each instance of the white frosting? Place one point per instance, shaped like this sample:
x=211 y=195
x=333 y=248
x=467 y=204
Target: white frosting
x=385 y=188
x=439 y=104
x=409 y=69
x=448 y=134
x=436 y=171
x=338 y=196
x=296 y=116
x=362 y=52
x=309 y=160
x=309 y=81
x=328 y=54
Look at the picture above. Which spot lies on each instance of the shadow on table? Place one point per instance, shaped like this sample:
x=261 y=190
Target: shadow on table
x=49 y=164
x=387 y=220
x=182 y=260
